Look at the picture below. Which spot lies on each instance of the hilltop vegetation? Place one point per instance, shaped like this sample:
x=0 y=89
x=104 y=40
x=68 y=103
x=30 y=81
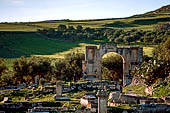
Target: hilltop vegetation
x=21 y=38
x=162 y=10
x=144 y=21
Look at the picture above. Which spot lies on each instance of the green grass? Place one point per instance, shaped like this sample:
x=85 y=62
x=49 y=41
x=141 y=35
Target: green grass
x=162 y=91
x=16 y=45
x=135 y=89
x=16 y=27
x=47 y=98
x=30 y=44
x=148 y=51
x=145 y=22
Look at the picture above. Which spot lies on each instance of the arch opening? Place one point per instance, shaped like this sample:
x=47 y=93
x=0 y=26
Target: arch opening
x=112 y=66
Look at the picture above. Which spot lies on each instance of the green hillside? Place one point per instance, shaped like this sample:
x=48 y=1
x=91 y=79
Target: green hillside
x=25 y=41
x=144 y=22
x=16 y=45
x=161 y=11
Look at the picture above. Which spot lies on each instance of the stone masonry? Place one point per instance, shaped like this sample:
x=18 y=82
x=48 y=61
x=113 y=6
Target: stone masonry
x=132 y=57
x=102 y=101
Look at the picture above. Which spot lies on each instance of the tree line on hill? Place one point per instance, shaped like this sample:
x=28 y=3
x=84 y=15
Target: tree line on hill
x=159 y=34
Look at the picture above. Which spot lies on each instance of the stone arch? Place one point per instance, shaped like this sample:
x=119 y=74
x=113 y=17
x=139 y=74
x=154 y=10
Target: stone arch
x=132 y=57
x=122 y=58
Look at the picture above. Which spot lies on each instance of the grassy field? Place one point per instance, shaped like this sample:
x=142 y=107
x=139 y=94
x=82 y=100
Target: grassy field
x=135 y=22
x=135 y=89
x=148 y=51
x=16 y=45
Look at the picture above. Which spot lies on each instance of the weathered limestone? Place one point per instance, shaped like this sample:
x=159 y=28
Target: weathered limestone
x=149 y=90
x=102 y=101
x=131 y=55
x=59 y=89
x=145 y=102
x=90 y=102
x=7 y=100
x=117 y=98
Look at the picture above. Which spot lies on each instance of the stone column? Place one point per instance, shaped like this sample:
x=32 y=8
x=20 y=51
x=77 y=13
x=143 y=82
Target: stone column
x=102 y=101
x=59 y=89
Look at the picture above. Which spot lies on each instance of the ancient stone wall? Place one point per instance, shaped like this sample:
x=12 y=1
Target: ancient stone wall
x=131 y=56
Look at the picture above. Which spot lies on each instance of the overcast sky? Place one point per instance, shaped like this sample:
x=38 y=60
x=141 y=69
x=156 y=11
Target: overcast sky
x=39 y=10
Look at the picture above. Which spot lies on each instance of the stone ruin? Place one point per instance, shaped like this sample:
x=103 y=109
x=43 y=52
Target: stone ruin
x=132 y=57
x=102 y=101
x=117 y=98
x=7 y=100
x=59 y=89
x=95 y=103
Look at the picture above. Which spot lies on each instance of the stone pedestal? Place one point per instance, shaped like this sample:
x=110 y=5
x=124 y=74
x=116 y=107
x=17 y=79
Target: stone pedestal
x=102 y=101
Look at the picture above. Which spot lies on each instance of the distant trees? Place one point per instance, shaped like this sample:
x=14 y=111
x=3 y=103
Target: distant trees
x=71 y=67
x=161 y=26
x=71 y=28
x=26 y=69
x=162 y=52
x=62 y=27
x=3 y=68
x=158 y=35
x=79 y=28
x=129 y=39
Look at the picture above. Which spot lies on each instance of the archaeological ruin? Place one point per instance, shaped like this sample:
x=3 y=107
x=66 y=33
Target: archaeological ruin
x=131 y=55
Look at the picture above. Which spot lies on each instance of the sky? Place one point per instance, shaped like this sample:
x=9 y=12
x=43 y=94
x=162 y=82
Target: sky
x=39 y=10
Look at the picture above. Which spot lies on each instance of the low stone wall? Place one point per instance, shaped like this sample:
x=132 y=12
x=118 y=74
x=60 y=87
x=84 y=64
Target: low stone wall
x=8 y=108
x=116 y=98
x=153 y=108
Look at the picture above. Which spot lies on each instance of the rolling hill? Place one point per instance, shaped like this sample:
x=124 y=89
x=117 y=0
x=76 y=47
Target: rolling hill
x=144 y=21
x=163 y=10
x=26 y=42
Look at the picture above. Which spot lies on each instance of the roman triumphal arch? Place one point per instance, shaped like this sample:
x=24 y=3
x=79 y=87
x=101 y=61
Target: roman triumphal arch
x=131 y=55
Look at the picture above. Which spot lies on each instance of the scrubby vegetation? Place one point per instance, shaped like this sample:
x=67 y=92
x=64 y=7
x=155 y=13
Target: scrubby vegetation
x=155 y=72
x=111 y=35
x=26 y=69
